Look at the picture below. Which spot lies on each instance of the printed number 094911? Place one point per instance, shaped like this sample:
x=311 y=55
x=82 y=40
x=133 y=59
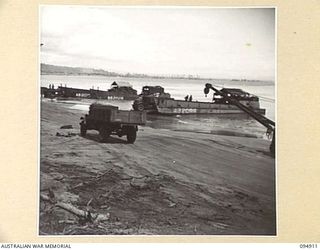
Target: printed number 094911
x=308 y=246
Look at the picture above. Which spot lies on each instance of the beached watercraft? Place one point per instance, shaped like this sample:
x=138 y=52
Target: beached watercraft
x=153 y=99
x=118 y=91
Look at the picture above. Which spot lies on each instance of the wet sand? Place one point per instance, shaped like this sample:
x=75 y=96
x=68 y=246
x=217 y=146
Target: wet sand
x=167 y=182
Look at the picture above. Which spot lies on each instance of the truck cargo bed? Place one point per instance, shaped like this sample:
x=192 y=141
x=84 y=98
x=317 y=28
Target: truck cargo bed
x=128 y=117
x=111 y=114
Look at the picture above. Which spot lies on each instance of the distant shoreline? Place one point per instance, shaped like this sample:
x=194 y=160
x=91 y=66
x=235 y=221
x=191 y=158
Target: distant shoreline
x=47 y=69
x=130 y=76
x=254 y=82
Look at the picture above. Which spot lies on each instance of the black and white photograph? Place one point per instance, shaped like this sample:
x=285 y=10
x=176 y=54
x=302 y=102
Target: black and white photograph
x=157 y=120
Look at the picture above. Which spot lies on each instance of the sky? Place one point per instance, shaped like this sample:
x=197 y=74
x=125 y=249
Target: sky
x=207 y=42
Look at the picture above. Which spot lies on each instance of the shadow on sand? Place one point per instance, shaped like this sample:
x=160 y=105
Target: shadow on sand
x=110 y=140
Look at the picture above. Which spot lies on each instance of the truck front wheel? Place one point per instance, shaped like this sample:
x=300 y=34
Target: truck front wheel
x=104 y=133
x=140 y=107
x=83 y=129
x=131 y=134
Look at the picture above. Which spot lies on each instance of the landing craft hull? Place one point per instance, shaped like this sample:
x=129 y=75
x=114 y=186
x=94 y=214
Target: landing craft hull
x=183 y=111
x=174 y=107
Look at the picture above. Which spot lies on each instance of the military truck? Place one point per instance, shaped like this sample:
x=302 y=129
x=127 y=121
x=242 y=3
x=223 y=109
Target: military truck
x=108 y=120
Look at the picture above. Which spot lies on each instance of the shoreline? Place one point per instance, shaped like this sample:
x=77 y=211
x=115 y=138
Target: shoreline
x=168 y=182
x=246 y=127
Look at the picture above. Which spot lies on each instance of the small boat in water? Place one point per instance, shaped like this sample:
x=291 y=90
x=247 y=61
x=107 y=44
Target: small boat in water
x=153 y=99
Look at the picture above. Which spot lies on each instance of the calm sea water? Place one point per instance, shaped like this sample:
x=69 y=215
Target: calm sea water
x=179 y=88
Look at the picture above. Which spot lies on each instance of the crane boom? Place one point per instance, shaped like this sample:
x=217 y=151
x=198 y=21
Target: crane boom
x=269 y=124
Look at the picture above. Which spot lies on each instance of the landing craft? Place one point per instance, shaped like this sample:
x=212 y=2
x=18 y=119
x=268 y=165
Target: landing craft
x=153 y=99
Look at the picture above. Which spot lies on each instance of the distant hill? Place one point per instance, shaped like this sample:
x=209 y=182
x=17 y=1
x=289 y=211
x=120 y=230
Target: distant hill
x=47 y=69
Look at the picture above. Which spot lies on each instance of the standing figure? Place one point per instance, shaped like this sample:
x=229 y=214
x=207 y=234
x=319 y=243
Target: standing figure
x=190 y=98
x=186 y=98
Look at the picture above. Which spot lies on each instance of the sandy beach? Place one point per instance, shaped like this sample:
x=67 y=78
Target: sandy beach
x=166 y=183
